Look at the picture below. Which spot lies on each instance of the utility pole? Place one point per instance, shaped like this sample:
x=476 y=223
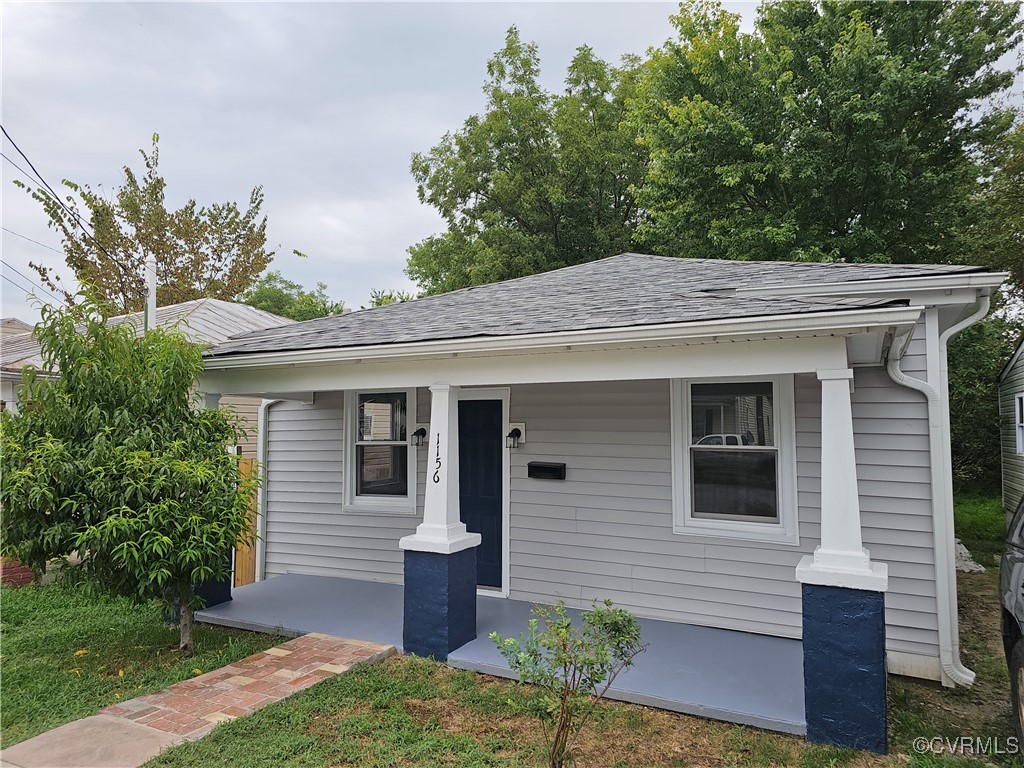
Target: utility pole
x=150 y=314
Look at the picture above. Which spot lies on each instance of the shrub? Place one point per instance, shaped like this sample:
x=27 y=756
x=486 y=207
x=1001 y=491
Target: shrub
x=574 y=666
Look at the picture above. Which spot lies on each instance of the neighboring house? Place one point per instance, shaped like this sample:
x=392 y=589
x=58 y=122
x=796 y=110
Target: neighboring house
x=546 y=438
x=205 y=321
x=1011 y=418
x=10 y=326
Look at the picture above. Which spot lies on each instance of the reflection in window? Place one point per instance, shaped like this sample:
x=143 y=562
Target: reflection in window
x=381 y=449
x=733 y=451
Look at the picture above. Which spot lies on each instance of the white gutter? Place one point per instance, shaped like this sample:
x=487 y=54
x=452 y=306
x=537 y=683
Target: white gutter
x=942 y=494
x=261 y=496
x=976 y=280
x=818 y=323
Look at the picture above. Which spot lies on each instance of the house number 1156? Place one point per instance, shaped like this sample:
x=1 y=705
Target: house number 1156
x=437 y=464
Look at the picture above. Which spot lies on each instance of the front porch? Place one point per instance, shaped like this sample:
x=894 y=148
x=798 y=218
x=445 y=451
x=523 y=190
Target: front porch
x=734 y=676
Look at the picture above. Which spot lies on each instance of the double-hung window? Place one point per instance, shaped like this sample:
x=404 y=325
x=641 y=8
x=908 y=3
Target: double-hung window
x=734 y=470
x=1018 y=419
x=381 y=465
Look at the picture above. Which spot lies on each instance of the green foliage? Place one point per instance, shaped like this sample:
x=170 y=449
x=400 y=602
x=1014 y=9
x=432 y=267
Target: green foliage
x=835 y=131
x=111 y=458
x=380 y=297
x=67 y=653
x=994 y=231
x=574 y=666
x=273 y=293
x=538 y=181
x=976 y=358
x=211 y=251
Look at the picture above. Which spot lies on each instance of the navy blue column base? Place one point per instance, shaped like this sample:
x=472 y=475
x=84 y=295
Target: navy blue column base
x=844 y=667
x=440 y=602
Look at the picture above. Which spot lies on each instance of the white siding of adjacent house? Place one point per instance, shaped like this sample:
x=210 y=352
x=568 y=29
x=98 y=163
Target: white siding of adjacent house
x=1013 y=462
x=606 y=530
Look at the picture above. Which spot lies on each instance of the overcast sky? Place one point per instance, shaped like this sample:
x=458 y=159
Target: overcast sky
x=321 y=104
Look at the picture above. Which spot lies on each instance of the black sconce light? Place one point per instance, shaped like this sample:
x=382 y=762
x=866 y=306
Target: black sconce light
x=419 y=436
x=512 y=438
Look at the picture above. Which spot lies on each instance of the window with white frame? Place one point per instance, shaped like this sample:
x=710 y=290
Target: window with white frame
x=380 y=466
x=734 y=469
x=1018 y=417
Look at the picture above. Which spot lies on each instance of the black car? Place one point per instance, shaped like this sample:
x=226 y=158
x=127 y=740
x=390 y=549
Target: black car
x=1011 y=591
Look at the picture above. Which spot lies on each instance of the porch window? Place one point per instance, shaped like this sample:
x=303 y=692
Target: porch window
x=1018 y=418
x=380 y=471
x=733 y=462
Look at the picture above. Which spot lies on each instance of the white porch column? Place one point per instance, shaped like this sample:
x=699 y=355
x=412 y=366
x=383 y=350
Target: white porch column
x=840 y=560
x=442 y=530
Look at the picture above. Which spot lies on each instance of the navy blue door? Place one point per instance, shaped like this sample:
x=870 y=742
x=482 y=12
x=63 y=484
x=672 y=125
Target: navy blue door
x=480 y=447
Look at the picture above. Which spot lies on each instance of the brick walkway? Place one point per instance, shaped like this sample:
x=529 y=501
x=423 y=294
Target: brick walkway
x=192 y=708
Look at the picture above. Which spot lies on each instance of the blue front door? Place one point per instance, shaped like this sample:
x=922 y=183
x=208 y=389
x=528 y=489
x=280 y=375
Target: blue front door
x=480 y=450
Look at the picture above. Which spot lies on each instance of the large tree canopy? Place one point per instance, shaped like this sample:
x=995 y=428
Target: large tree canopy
x=274 y=293
x=834 y=131
x=111 y=458
x=214 y=251
x=538 y=181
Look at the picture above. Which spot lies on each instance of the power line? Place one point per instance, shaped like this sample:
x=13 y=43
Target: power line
x=26 y=173
x=23 y=237
x=77 y=219
x=22 y=288
x=30 y=281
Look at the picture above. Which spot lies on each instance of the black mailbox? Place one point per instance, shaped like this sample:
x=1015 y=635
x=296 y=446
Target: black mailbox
x=545 y=470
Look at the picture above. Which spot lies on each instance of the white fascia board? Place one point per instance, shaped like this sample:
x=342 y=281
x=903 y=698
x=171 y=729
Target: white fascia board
x=712 y=359
x=842 y=323
x=941 y=285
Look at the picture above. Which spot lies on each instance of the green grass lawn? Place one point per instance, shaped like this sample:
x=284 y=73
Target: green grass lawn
x=981 y=525
x=64 y=655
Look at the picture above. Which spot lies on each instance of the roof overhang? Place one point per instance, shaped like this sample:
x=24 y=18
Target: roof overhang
x=901 y=286
x=829 y=323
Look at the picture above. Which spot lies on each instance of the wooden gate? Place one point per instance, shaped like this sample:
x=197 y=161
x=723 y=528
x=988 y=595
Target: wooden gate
x=245 y=551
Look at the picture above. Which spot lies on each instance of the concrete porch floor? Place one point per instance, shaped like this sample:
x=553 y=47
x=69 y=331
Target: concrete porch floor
x=734 y=676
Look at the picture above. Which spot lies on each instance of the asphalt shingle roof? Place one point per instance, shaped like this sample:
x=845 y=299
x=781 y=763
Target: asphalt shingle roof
x=621 y=291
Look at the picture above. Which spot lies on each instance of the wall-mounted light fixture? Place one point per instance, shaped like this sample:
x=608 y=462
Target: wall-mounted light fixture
x=419 y=436
x=512 y=438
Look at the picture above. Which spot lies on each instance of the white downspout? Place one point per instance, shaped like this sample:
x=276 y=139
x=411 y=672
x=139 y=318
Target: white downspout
x=942 y=496
x=261 y=496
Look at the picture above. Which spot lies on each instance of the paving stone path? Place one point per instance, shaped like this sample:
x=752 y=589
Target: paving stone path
x=126 y=733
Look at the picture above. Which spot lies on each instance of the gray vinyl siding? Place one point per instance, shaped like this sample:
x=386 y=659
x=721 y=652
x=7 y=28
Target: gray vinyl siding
x=1013 y=462
x=307 y=528
x=606 y=530
x=247 y=410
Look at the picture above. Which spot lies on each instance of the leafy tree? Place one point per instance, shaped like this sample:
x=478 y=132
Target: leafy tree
x=111 y=459
x=538 y=181
x=274 y=293
x=994 y=224
x=380 y=297
x=211 y=251
x=976 y=358
x=573 y=666
x=834 y=131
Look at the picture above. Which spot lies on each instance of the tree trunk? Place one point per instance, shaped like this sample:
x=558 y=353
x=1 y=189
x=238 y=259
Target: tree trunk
x=186 y=646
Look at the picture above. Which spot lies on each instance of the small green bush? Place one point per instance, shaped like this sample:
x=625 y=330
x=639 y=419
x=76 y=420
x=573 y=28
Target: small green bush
x=573 y=665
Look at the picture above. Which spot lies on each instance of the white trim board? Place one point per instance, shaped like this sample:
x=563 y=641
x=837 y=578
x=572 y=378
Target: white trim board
x=733 y=359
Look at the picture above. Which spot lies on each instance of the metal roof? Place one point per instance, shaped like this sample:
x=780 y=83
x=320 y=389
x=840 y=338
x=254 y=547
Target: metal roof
x=205 y=321
x=627 y=290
